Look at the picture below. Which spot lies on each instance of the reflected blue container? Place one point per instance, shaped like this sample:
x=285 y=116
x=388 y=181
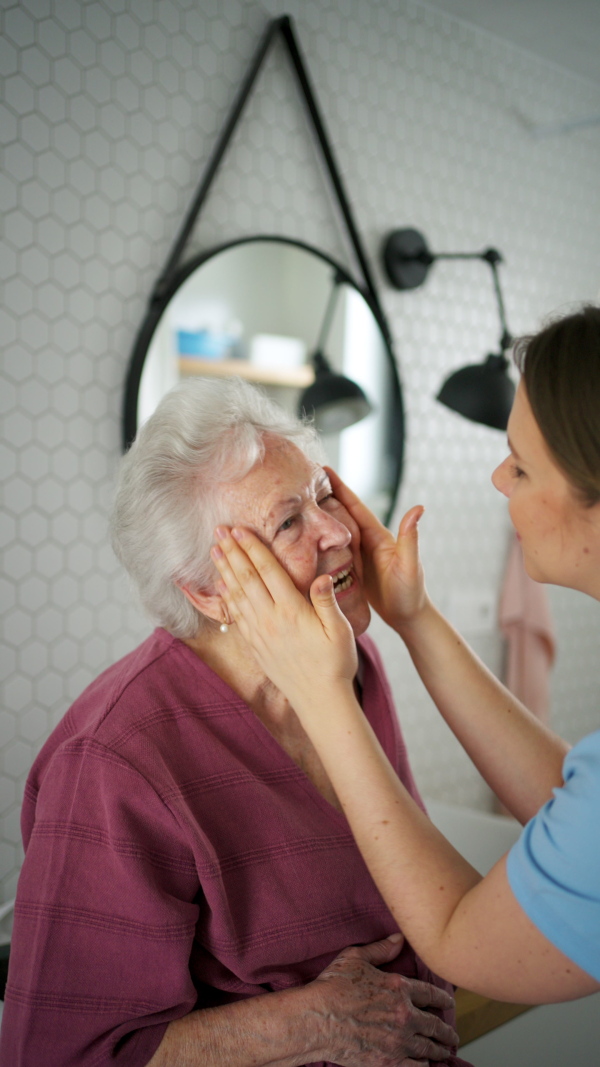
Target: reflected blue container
x=203 y=343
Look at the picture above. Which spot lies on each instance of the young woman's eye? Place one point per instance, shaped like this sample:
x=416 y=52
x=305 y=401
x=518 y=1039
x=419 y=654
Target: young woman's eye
x=516 y=471
x=325 y=499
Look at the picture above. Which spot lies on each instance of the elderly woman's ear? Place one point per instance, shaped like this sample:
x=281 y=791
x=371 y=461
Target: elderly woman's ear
x=210 y=605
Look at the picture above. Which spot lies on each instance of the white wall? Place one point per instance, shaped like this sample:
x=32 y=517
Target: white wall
x=110 y=110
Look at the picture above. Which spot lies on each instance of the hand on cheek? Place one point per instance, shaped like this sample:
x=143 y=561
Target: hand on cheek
x=298 y=645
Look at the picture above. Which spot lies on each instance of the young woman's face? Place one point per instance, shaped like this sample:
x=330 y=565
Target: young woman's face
x=287 y=501
x=560 y=537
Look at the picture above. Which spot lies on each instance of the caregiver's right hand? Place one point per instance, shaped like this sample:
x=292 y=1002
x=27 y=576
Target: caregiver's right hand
x=393 y=573
x=301 y=648
x=388 y=1026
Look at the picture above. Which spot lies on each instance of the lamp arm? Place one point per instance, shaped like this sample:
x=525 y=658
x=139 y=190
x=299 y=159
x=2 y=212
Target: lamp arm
x=329 y=311
x=505 y=338
x=492 y=257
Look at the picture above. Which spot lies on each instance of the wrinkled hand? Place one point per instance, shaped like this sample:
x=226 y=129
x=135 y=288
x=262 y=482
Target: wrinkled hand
x=301 y=646
x=393 y=574
x=376 y=1019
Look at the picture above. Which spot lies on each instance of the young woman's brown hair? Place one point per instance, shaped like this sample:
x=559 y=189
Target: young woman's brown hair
x=561 y=372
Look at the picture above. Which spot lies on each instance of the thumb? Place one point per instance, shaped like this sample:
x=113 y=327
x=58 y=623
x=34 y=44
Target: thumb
x=385 y=951
x=409 y=525
x=327 y=608
x=323 y=598
x=407 y=542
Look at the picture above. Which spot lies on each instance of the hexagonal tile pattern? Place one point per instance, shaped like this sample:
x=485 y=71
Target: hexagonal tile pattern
x=108 y=113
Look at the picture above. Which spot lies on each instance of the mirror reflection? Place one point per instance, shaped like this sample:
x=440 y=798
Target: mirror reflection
x=256 y=309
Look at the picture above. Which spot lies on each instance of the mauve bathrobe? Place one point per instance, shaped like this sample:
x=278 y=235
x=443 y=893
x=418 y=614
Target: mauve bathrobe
x=176 y=858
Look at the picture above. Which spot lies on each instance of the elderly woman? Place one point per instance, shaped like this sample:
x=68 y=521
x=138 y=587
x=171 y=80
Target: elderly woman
x=190 y=884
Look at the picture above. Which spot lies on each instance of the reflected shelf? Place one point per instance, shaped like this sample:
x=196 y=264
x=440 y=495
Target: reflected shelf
x=295 y=377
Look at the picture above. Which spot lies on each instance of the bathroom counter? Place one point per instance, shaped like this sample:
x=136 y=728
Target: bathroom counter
x=477 y=1015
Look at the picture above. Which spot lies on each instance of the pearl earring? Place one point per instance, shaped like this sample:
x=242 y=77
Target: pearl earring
x=224 y=627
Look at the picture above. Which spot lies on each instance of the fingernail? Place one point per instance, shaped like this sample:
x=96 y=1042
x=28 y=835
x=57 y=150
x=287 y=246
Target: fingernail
x=238 y=533
x=396 y=938
x=220 y=533
x=216 y=552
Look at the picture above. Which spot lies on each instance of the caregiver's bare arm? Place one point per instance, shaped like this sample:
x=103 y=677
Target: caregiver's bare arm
x=468 y=929
x=519 y=757
x=353 y=1014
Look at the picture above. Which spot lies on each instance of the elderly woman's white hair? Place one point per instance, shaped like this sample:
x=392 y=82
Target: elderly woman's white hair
x=203 y=433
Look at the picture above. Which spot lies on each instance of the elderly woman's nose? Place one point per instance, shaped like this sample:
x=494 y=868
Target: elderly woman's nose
x=332 y=533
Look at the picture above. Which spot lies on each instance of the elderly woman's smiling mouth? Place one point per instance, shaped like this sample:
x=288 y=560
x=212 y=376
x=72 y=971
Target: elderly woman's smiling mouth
x=343 y=580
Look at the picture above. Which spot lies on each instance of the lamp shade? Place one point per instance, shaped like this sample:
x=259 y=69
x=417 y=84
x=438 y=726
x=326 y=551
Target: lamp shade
x=482 y=392
x=333 y=401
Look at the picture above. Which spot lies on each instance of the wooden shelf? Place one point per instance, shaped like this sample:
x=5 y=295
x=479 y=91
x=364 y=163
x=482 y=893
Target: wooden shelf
x=477 y=1015
x=295 y=378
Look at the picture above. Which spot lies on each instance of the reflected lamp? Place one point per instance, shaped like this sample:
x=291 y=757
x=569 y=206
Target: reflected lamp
x=333 y=401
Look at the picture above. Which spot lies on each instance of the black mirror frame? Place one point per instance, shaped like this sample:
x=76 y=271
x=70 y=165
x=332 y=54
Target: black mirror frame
x=158 y=306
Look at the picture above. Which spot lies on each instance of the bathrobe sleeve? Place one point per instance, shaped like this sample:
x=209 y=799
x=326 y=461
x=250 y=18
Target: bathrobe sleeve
x=104 y=921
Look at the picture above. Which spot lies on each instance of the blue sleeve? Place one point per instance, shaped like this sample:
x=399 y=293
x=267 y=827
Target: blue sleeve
x=554 y=867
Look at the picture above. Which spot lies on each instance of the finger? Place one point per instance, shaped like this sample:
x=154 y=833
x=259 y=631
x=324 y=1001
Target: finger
x=243 y=583
x=435 y=1029
x=433 y=1051
x=426 y=995
x=409 y=524
x=379 y=952
x=359 y=511
x=238 y=606
x=324 y=601
x=272 y=574
x=407 y=542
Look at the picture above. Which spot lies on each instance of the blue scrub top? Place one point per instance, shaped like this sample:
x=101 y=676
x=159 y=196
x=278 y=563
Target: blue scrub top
x=554 y=867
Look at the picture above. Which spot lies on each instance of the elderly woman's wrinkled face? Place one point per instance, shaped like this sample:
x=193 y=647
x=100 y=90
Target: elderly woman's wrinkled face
x=287 y=501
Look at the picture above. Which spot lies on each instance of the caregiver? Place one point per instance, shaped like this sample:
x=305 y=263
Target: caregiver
x=530 y=930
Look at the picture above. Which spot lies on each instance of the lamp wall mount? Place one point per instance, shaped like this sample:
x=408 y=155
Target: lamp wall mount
x=407 y=260
x=481 y=392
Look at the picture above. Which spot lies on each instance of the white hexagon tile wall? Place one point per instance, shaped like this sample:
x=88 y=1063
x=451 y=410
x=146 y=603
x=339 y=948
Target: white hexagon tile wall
x=109 y=109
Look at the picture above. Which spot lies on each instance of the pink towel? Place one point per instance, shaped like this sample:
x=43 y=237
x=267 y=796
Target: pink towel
x=526 y=622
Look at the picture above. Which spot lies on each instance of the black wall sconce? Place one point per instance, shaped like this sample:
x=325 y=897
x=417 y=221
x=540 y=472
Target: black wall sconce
x=482 y=392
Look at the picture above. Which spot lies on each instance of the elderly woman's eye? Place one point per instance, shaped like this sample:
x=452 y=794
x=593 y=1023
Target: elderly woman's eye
x=287 y=524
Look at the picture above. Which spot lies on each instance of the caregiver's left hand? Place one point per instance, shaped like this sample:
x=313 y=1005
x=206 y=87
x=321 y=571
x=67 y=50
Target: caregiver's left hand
x=302 y=648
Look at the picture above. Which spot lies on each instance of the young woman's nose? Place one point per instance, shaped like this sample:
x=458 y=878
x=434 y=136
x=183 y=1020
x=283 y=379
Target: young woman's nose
x=502 y=478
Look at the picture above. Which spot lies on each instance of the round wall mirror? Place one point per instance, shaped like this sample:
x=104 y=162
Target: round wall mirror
x=258 y=308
